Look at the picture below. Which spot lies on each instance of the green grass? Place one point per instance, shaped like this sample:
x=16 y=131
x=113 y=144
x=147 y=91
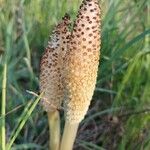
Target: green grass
x=3 y=108
x=123 y=82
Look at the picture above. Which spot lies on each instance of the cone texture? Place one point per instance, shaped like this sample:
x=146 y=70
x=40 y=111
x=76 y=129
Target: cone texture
x=51 y=66
x=81 y=61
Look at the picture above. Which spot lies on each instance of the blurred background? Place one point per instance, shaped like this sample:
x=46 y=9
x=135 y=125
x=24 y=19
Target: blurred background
x=119 y=115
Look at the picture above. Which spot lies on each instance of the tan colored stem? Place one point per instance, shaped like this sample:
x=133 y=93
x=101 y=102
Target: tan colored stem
x=54 y=129
x=69 y=136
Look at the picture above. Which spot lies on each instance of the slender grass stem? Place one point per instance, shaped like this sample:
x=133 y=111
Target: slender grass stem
x=69 y=136
x=54 y=129
x=24 y=117
x=3 y=108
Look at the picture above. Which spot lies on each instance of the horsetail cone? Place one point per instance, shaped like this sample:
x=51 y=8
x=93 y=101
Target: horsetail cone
x=81 y=61
x=51 y=66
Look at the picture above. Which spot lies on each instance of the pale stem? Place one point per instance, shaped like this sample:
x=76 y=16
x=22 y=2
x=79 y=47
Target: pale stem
x=69 y=136
x=54 y=129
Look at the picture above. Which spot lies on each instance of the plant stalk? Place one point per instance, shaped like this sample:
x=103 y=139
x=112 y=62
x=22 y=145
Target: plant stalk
x=3 y=108
x=69 y=136
x=54 y=129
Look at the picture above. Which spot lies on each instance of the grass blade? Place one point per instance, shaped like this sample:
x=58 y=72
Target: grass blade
x=27 y=146
x=90 y=145
x=3 y=108
x=23 y=120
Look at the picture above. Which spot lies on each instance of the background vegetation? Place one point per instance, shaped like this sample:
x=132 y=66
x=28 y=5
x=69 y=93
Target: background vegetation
x=119 y=116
